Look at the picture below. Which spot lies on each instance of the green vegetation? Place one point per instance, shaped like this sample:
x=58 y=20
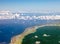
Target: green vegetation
x=44 y=35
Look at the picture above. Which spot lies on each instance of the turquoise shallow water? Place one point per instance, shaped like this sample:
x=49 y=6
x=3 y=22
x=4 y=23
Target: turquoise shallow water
x=44 y=35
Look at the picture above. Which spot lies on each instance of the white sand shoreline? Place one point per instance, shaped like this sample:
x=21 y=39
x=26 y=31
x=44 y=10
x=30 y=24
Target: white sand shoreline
x=18 y=39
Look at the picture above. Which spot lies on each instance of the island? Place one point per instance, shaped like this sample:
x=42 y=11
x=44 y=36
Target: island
x=43 y=34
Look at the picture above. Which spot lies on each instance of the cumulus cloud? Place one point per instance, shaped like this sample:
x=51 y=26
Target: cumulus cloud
x=28 y=17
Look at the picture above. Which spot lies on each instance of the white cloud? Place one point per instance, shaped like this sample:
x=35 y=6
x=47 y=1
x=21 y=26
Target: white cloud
x=18 y=16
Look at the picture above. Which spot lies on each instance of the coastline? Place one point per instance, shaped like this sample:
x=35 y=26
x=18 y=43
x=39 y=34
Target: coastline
x=18 y=39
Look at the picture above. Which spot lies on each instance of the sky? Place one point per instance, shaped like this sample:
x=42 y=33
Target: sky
x=32 y=5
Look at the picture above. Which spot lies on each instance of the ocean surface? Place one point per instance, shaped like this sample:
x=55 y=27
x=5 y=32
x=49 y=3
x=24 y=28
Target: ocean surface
x=13 y=27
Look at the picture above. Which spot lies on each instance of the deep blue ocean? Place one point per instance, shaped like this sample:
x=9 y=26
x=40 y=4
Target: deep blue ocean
x=13 y=27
